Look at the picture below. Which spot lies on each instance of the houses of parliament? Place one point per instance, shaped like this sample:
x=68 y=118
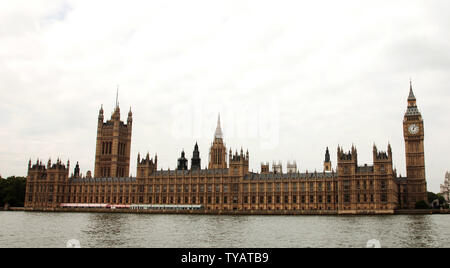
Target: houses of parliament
x=227 y=185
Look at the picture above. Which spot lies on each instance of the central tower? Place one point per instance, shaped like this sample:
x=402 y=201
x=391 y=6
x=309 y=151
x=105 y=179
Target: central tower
x=112 y=154
x=413 y=131
x=218 y=152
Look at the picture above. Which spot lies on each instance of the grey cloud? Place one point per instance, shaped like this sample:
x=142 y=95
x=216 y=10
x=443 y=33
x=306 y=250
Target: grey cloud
x=337 y=71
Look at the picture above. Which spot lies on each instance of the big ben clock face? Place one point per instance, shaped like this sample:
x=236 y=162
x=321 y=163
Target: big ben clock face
x=413 y=129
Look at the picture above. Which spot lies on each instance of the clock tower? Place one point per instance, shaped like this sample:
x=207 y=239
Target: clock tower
x=413 y=131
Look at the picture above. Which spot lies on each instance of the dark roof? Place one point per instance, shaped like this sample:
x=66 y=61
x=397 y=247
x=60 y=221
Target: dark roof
x=295 y=176
x=99 y=180
x=251 y=176
x=187 y=172
x=365 y=169
x=411 y=94
x=412 y=110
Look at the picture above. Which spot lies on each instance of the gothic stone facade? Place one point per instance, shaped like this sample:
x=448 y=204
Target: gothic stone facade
x=351 y=189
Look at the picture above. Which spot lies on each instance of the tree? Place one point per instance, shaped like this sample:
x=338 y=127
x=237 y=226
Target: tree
x=2 y=194
x=422 y=205
x=431 y=197
x=442 y=200
x=12 y=191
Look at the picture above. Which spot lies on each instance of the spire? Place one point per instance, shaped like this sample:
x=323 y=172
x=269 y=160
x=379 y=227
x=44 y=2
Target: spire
x=218 y=134
x=100 y=114
x=117 y=97
x=195 y=160
x=411 y=96
x=130 y=117
x=412 y=109
x=327 y=155
x=76 y=170
x=116 y=114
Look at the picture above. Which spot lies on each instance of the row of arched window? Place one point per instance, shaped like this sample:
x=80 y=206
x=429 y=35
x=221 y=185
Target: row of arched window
x=107 y=148
x=106 y=172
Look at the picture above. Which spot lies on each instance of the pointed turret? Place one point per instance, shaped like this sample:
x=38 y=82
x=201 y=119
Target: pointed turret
x=217 y=152
x=291 y=167
x=116 y=113
x=218 y=134
x=76 y=171
x=130 y=117
x=327 y=163
x=412 y=111
x=100 y=114
x=238 y=163
x=411 y=96
x=195 y=161
x=354 y=152
x=117 y=97
x=182 y=162
x=327 y=155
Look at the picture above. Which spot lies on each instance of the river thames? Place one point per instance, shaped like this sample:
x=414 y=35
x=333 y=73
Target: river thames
x=40 y=229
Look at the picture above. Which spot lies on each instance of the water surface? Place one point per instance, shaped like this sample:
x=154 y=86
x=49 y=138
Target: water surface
x=44 y=229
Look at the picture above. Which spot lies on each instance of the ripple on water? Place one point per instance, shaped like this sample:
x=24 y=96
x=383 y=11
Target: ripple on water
x=40 y=229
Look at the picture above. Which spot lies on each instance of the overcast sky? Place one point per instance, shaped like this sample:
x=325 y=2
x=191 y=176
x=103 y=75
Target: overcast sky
x=289 y=78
